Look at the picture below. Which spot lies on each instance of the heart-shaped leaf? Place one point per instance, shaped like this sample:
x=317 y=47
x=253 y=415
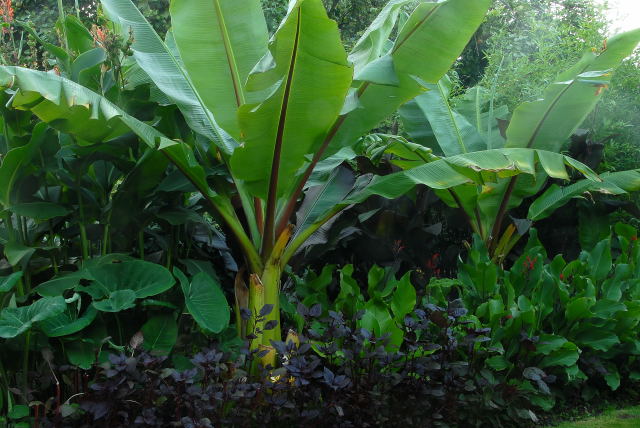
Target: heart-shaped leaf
x=17 y=252
x=8 y=282
x=56 y=286
x=68 y=322
x=122 y=283
x=117 y=301
x=160 y=334
x=205 y=301
x=15 y=321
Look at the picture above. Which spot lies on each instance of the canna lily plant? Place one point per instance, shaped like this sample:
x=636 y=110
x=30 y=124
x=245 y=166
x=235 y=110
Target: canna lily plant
x=269 y=115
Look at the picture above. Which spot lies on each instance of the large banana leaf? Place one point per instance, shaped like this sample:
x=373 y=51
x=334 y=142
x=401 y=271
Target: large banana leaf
x=220 y=41
x=451 y=172
x=549 y=122
x=375 y=42
x=422 y=53
x=306 y=76
x=166 y=71
x=453 y=132
x=614 y=183
x=72 y=108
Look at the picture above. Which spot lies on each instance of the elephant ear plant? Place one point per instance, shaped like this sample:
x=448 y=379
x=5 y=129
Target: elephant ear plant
x=267 y=113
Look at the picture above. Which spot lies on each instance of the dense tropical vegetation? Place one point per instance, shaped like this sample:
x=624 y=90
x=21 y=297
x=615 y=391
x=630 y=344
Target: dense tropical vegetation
x=347 y=213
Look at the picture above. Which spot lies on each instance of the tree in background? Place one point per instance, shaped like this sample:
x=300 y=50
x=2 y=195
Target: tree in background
x=524 y=44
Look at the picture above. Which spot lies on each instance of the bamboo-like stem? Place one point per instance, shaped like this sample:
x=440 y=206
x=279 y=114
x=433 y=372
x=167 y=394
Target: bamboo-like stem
x=84 y=242
x=61 y=16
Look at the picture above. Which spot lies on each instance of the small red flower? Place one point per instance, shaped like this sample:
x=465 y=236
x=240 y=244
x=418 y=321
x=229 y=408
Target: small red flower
x=397 y=246
x=529 y=263
x=634 y=238
x=99 y=35
x=562 y=277
x=7 y=13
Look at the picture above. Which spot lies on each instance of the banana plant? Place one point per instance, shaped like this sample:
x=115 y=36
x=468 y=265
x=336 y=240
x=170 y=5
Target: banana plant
x=545 y=124
x=267 y=114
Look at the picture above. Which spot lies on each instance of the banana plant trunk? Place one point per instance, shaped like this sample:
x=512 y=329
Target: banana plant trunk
x=263 y=297
x=264 y=291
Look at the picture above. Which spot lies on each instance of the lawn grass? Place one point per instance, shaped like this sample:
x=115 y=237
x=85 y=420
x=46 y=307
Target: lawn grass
x=623 y=418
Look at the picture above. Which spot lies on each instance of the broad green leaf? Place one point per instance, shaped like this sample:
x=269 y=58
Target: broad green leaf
x=15 y=160
x=86 y=60
x=56 y=286
x=549 y=122
x=160 y=334
x=72 y=108
x=220 y=41
x=166 y=71
x=318 y=200
x=612 y=377
x=39 y=210
x=305 y=77
x=579 y=308
x=16 y=252
x=498 y=363
x=606 y=309
x=15 y=321
x=194 y=267
x=476 y=106
x=18 y=412
x=491 y=196
x=613 y=183
x=117 y=301
x=68 y=322
x=549 y=343
x=8 y=282
x=454 y=134
x=205 y=301
x=600 y=260
x=374 y=42
x=566 y=356
x=597 y=338
x=122 y=283
x=447 y=172
x=137 y=188
x=80 y=353
x=78 y=36
x=404 y=298
x=427 y=45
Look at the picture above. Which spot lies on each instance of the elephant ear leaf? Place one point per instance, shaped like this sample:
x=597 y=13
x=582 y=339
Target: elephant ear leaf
x=120 y=284
x=8 y=282
x=205 y=301
x=68 y=322
x=548 y=123
x=15 y=321
x=160 y=334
